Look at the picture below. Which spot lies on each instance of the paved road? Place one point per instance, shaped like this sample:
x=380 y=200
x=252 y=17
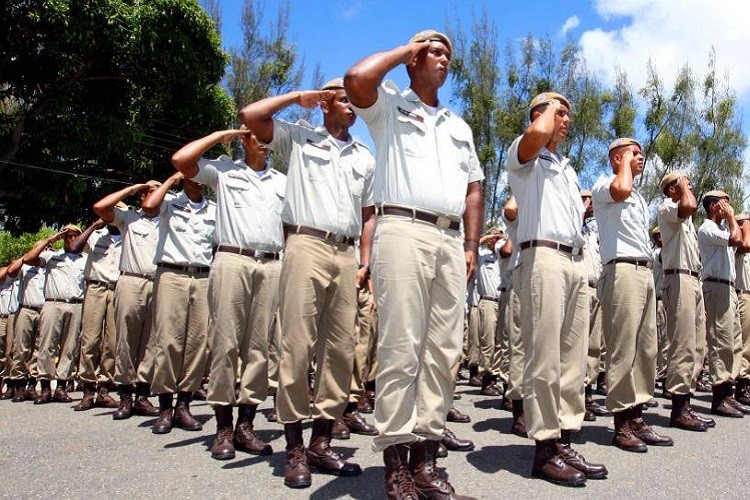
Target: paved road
x=52 y=450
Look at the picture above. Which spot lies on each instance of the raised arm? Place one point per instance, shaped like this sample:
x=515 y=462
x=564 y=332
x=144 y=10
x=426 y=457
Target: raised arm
x=687 y=204
x=539 y=132
x=153 y=201
x=31 y=258
x=362 y=80
x=14 y=267
x=258 y=116
x=79 y=243
x=186 y=159
x=105 y=208
x=735 y=235
x=622 y=184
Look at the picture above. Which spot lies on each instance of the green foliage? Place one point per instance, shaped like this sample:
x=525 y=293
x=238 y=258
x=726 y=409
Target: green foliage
x=13 y=247
x=103 y=88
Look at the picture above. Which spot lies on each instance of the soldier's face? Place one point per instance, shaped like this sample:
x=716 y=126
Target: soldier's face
x=432 y=63
x=339 y=110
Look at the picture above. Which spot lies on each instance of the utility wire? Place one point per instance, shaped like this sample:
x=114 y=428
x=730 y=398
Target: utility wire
x=74 y=174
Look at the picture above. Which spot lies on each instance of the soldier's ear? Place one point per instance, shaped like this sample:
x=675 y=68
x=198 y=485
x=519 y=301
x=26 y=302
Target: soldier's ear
x=324 y=107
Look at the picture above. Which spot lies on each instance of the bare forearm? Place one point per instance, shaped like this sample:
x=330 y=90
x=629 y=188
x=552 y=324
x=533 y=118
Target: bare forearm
x=473 y=216
x=186 y=158
x=79 y=243
x=258 y=116
x=365 y=241
x=104 y=208
x=362 y=79
x=154 y=200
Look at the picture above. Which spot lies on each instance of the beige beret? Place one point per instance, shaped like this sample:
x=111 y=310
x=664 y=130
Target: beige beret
x=546 y=98
x=669 y=178
x=72 y=227
x=656 y=230
x=585 y=193
x=623 y=141
x=433 y=35
x=742 y=216
x=336 y=83
x=716 y=194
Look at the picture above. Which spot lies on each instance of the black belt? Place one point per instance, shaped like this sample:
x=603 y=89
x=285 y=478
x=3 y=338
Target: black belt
x=138 y=275
x=105 y=284
x=550 y=244
x=185 y=269
x=67 y=301
x=4 y=315
x=719 y=280
x=319 y=233
x=503 y=289
x=487 y=297
x=742 y=292
x=636 y=262
x=33 y=308
x=438 y=220
x=248 y=252
x=694 y=274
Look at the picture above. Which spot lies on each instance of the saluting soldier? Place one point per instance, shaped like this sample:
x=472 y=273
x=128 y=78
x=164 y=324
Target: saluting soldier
x=488 y=284
x=243 y=282
x=328 y=202
x=183 y=258
x=427 y=180
x=133 y=309
x=6 y=333
x=742 y=284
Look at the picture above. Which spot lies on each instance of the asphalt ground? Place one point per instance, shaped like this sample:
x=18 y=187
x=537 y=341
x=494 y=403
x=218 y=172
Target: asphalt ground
x=50 y=451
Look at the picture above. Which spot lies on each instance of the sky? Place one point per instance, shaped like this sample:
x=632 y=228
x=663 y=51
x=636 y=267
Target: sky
x=612 y=33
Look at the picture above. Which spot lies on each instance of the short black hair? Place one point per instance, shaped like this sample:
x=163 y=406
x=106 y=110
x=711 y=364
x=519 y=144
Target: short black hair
x=708 y=201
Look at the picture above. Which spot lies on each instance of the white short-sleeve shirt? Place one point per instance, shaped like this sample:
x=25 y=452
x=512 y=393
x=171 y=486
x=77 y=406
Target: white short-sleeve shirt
x=488 y=273
x=548 y=196
x=422 y=161
x=31 y=286
x=678 y=238
x=248 y=205
x=327 y=184
x=186 y=231
x=6 y=289
x=65 y=272
x=139 y=237
x=104 y=253
x=717 y=256
x=623 y=225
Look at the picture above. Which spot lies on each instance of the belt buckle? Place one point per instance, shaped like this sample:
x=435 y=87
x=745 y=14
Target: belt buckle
x=443 y=222
x=192 y=269
x=258 y=254
x=339 y=238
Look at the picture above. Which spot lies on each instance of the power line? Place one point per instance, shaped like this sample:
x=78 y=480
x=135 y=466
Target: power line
x=45 y=169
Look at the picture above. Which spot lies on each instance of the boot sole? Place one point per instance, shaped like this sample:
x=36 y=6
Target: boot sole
x=333 y=472
x=259 y=453
x=574 y=484
x=161 y=431
x=298 y=484
x=224 y=456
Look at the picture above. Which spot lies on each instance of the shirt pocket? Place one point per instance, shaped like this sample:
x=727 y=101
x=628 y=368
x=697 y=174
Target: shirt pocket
x=316 y=161
x=238 y=190
x=280 y=194
x=411 y=134
x=179 y=221
x=460 y=150
x=357 y=178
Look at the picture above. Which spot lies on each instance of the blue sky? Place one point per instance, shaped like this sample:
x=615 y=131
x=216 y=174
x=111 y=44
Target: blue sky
x=624 y=33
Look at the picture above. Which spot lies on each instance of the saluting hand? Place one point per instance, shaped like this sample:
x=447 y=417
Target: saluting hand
x=231 y=134
x=310 y=98
x=414 y=49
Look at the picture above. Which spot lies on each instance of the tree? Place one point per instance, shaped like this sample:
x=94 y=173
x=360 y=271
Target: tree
x=103 y=89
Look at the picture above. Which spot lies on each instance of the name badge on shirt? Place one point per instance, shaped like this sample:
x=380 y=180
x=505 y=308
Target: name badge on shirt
x=320 y=145
x=410 y=114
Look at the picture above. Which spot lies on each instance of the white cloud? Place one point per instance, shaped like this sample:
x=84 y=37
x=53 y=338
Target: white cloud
x=571 y=23
x=671 y=34
x=349 y=10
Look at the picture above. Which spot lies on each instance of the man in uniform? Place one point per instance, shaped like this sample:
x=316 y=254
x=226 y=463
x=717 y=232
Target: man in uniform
x=488 y=284
x=30 y=299
x=183 y=259
x=9 y=305
x=662 y=341
x=328 y=202
x=628 y=297
x=742 y=284
x=243 y=282
x=592 y=262
x=427 y=179
x=60 y=318
x=6 y=333
x=717 y=244
x=98 y=337
x=133 y=309
x=682 y=297
x=550 y=212
x=510 y=252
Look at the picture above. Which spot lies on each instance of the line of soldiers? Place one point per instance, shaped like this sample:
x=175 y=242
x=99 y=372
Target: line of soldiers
x=382 y=247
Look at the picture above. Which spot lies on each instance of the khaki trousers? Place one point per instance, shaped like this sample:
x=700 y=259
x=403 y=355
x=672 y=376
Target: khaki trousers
x=594 y=350
x=274 y=343
x=472 y=339
x=242 y=298
x=501 y=354
x=317 y=308
x=98 y=335
x=554 y=323
x=25 y=344
x=662 y=340
x=743 y=298
x=59 y=325
x=516 y=353
x=6 y=339
x=686 y=331
x=488 y=312
x=419 y=274
x=628 y=302
x=737 y=362
x=134 y=352
x=721 y=305
x=180 y=329
x=364 y=351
